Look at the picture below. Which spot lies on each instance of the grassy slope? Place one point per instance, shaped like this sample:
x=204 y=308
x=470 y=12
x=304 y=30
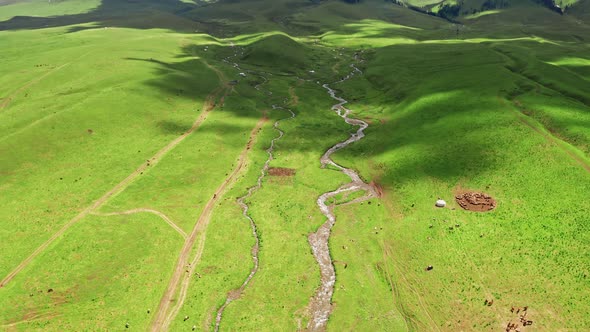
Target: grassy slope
x=581 y=9
x=49 y=151
x=102 y=275
x=144 y=93
x=285 y=261
x=526 y=19
x=42 y=8
x=465 y=114
x=450 y=149
x=288 y=276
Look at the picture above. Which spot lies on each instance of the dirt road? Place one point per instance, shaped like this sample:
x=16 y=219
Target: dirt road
x=208 y=106
x=140 y=210
x=183 y=270
x=6 y=101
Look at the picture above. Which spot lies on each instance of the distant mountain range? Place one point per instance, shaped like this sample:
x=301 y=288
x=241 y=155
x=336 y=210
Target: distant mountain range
x=456 y=8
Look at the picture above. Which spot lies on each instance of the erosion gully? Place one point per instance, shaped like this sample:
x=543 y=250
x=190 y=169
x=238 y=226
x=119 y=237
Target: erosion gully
x=234 y=295
x=320 y=306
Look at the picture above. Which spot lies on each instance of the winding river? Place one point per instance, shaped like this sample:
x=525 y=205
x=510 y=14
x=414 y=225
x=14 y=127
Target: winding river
x=320 y=305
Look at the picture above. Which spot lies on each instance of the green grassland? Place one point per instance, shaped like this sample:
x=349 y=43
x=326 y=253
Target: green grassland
x=500 y=104
x=461 y=142
x=42 y=8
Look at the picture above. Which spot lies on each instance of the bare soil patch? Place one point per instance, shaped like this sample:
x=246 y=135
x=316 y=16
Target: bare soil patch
x=475 y=201
x=280 y=171
x=378 y=188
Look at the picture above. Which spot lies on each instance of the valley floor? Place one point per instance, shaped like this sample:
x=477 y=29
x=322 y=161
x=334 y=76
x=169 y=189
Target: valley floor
x=284 y=178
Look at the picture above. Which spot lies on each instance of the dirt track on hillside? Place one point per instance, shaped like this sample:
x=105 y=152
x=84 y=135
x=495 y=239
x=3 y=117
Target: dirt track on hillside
x=28 y=319
x=208 y=106
x=6 y=101
x=164 y=316
x=10 y=97
x=140 y=210
x=294 y=97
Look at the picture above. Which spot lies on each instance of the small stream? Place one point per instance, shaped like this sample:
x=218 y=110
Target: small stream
x=320 y=305
x=234 y=295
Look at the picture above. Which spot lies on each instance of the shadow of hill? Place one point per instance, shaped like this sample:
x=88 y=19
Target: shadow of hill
x=226 y=18
x=446 y=114
x=138 y=14
x=453 y=91
x=229 y=18
x=470 y=73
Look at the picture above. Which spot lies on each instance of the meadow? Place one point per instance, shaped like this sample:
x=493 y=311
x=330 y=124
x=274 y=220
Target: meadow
x=107 y=124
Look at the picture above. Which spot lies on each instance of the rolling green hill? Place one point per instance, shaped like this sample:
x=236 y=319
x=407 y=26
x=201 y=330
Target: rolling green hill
x=171 y=165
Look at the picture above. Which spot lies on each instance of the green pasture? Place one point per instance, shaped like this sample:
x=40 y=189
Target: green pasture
x=445 y=133
x=497 y=104
x=60 y=154
x=42 y=8
x=104 y=274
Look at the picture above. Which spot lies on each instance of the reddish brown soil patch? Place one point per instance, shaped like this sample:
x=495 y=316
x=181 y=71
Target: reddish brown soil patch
x=378 y=188
x=473 y=201
x=280 y=171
